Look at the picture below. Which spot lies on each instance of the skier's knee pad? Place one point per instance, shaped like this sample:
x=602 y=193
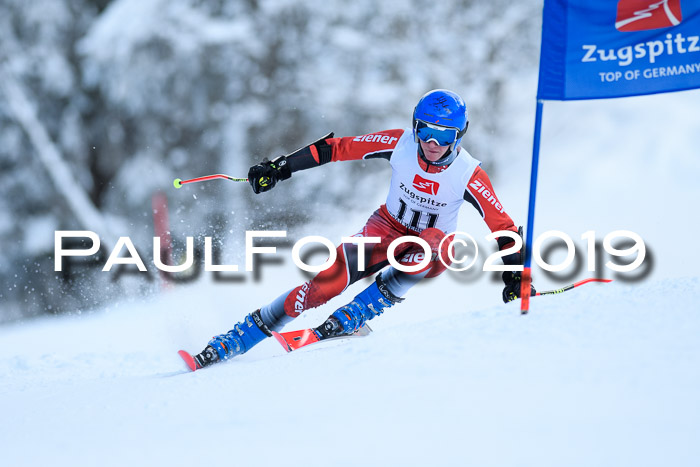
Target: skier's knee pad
x=438 y=254
x=433 y=236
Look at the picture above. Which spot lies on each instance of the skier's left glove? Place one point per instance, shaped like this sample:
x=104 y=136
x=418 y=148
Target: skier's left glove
x=265 y=175
x=512 y=289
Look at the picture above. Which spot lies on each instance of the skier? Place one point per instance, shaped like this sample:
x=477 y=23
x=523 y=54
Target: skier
x=432 y=175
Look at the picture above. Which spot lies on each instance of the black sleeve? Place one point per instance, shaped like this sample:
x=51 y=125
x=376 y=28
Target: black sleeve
x=303 y=158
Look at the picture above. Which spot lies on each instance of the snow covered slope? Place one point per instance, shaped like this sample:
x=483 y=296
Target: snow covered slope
x=604 y=375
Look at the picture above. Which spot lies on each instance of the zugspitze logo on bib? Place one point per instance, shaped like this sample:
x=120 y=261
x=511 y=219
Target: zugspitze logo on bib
x=642 y=15
x=426 y=186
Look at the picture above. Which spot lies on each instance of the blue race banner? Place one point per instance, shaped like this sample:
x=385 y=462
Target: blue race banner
x=594 y=49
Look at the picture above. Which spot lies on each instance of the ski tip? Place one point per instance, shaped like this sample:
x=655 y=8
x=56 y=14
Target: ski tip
x=188 y=359
x=281 y=340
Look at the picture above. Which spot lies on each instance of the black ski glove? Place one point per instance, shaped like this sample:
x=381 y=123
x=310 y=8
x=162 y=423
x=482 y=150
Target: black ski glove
x=512 y=289
x=265 y=175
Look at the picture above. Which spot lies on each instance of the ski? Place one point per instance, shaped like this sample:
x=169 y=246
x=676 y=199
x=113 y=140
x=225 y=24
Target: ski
x=188 y=359
x=294 y=340
x=290 y=341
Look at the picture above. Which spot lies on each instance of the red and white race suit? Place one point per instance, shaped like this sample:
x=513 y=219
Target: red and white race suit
x=423 y=201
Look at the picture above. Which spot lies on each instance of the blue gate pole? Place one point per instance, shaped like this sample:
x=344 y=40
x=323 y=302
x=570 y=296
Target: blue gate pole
x=527 y=277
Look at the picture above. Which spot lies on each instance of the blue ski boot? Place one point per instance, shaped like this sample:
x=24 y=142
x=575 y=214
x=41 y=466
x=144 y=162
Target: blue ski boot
x=237 y=341
x=366 y=305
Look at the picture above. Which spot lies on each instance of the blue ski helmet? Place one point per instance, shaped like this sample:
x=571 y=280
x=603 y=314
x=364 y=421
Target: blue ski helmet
x=440 y=116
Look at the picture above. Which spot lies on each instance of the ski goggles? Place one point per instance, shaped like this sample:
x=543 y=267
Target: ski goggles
x=443 y=136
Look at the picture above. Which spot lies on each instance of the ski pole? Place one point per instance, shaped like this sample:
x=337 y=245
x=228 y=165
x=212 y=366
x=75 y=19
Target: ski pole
x=571 y=286
x=177 y=183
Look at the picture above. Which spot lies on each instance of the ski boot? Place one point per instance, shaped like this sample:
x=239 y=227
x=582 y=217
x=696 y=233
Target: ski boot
x=366 y=305
x=237 y=341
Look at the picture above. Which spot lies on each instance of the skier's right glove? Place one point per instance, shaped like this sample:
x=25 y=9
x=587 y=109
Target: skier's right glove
x=265 y=175
x=511 y=291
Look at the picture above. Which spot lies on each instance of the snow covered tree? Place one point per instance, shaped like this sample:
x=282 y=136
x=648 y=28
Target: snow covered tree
x=134 y=93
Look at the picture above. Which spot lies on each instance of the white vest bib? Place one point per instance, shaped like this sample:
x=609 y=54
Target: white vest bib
x=418 y=199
